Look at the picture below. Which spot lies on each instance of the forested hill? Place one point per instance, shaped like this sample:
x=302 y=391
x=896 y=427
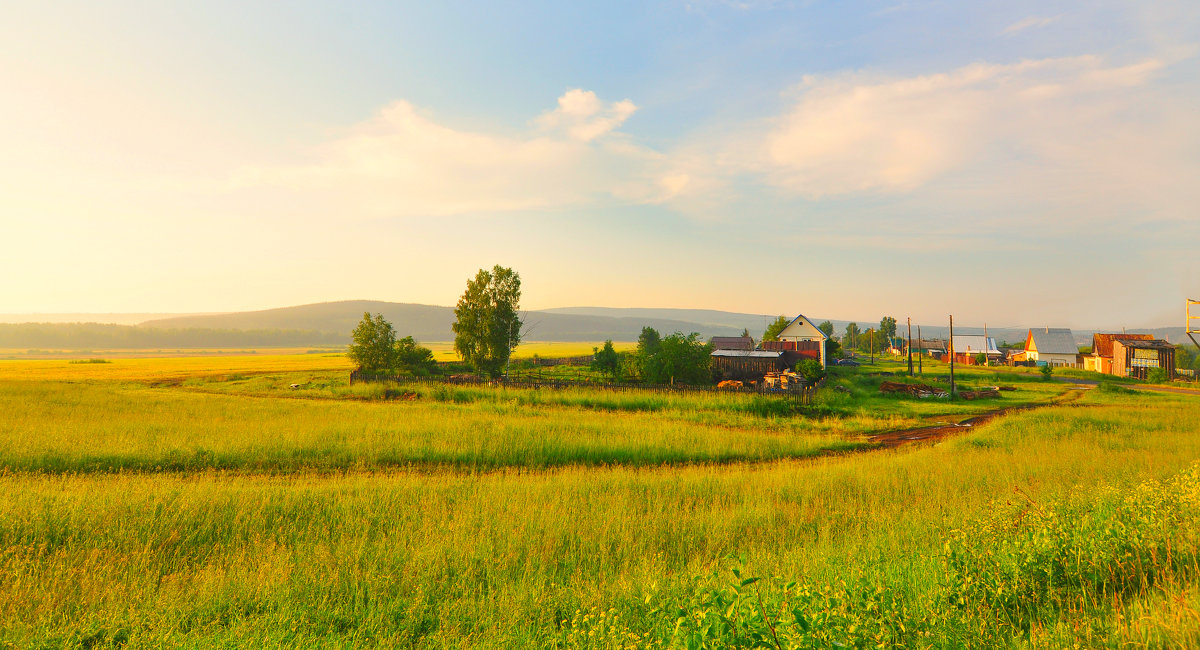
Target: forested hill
x=433 y=323
x=100 y=336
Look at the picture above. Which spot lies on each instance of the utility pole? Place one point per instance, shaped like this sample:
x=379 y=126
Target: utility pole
x=921 y=352
x=873 y=333
x=987 y=360
x=909 y=346
x=951 y=346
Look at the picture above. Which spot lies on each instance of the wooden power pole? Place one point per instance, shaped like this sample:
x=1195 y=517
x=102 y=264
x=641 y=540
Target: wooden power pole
x=910 y=369
x=921 y=352
x=951 y=346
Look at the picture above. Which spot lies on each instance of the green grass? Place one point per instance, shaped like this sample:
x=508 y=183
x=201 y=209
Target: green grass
x=326 y=517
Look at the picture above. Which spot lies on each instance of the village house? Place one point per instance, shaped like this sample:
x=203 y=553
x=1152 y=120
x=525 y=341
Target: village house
x=1050 y=346
x=1137 y=357
x=800 y=340
x=1101 y=358
x=966 y=347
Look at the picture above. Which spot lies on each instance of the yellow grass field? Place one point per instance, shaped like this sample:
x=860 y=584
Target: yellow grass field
x=203 y=502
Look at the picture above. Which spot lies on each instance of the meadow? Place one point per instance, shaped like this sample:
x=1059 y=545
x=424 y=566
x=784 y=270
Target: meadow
x=203 y=502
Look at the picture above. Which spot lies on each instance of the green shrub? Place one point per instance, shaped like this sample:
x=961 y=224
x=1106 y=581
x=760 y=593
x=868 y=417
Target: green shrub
x=811 y=370
x=1047 y=372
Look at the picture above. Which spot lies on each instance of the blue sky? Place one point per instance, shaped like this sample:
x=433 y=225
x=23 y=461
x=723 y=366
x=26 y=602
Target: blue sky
x=1008 y=162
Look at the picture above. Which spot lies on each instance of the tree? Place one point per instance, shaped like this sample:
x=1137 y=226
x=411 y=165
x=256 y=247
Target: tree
x=648 y=346
x=887 y=327
x=607 y=360
x=648 y=341
x=773 y=330
x=678 y=358
x=833 y=349
x=487 y=326
x=413 y=357
x=374 y=343
x=826 y=328
x=850 y=340
x=811 y=370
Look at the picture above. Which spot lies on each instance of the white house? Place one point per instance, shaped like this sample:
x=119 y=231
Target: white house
x=803 y=333
x=1052 y=346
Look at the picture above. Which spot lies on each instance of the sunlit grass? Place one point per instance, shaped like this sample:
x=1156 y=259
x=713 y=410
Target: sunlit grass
x=211 y=505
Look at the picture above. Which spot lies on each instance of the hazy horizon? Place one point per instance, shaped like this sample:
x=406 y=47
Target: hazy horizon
x=1028 y=162
x=135 y=318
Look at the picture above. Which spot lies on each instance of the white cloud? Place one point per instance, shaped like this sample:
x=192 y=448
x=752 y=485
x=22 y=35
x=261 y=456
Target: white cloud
x=1059 y=126
x=1031 y=22
x=584 y=117
x=404 y=163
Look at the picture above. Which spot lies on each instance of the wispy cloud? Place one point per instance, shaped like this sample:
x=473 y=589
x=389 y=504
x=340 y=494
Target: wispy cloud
x=1030 y=22
x=998 y=124
x=403 y=162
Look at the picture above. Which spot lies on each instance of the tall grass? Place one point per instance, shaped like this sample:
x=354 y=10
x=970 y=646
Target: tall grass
x=60 y=427
x=521 y=556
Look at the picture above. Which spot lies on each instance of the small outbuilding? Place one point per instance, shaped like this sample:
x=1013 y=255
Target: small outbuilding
x=1136 y=358
x=747 y=365
x=1101 y=358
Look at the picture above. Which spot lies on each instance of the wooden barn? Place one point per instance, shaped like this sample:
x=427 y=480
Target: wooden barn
x=747 y=365
x=1137 y=358
x=732 y=343
x=1101 y=358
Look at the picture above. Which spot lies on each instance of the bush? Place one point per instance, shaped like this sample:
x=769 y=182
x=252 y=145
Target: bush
x=1046 y=371
x=1156 y=376
x=811 y=370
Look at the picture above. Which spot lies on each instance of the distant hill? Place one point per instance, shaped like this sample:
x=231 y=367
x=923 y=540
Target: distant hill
x=103 y=318
x=433 y=323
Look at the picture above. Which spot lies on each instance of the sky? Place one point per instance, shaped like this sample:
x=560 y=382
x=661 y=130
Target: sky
x=1014 y=163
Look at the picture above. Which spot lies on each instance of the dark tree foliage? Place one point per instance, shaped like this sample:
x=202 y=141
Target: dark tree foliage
x=413 y=357
x=773 y=330
x=887 y=327
x=607 y=360
x=826 y=328
x=850 y=338
x=677 y=358
x=811 y=370
x=373 y=345
x=648 y=342
x=487 y=325
x=833 y=349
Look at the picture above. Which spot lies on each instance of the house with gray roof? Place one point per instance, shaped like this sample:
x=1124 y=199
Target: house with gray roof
x=1051 y=346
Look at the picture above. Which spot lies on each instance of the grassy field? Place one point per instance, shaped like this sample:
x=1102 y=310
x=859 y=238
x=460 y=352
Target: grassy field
x=204 y=503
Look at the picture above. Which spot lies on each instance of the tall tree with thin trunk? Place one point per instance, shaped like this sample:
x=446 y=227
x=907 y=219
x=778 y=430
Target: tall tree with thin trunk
x=487 y=326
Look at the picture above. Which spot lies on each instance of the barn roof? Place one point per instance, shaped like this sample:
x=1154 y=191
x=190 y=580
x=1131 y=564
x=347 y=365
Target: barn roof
x=972 y=343
x=1102 y=343
x=732 y=343
x=1053 y=340
x=748 y=354
x=1152 y=344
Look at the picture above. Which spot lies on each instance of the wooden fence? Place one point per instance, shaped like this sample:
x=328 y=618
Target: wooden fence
x=801 y=392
